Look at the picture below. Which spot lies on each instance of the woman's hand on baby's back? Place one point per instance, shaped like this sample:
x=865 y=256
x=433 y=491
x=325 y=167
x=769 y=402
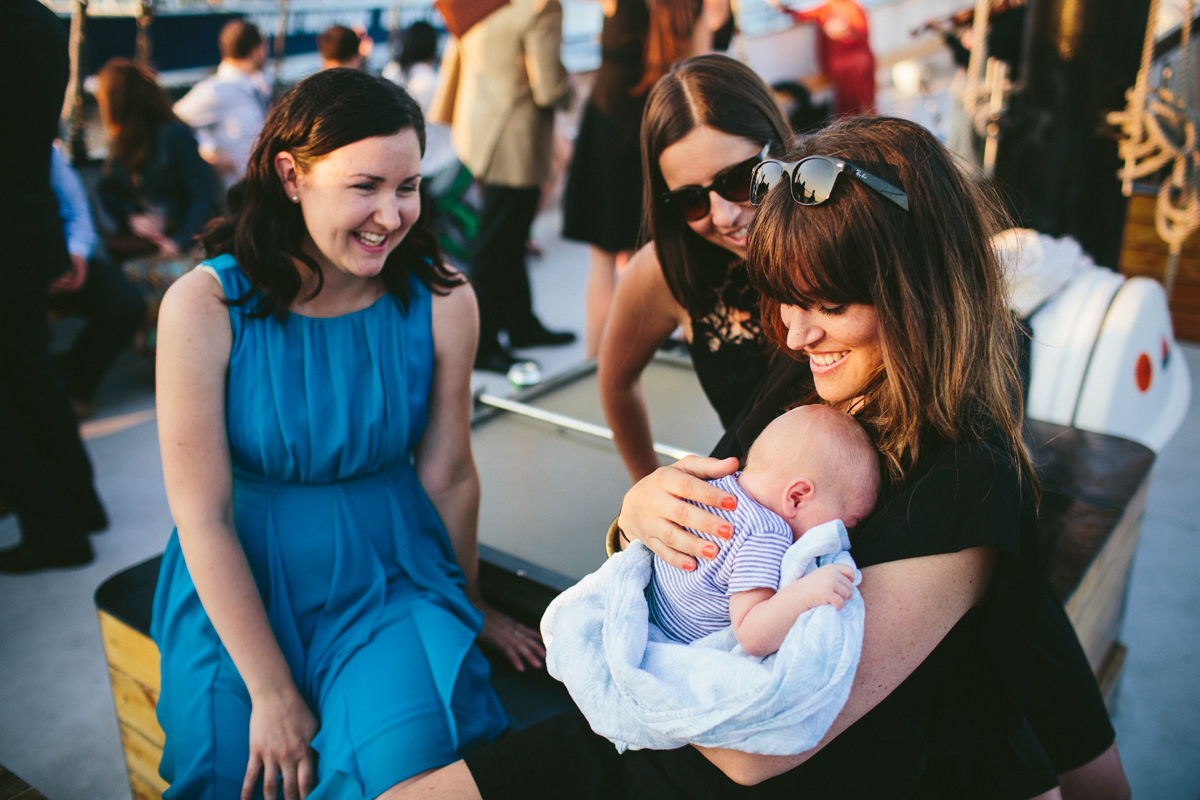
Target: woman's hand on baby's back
x=656 y=510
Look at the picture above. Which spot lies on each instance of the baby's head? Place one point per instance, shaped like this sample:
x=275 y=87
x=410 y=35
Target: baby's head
x=811 y=465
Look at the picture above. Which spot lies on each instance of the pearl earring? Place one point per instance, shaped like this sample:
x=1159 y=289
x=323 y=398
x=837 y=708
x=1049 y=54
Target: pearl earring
x=295 y=198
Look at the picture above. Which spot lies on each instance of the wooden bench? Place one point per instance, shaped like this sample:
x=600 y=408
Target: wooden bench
x=1093 y=493
x=13 y=788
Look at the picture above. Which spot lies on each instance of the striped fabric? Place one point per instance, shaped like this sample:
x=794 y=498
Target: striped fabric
x=690 y=605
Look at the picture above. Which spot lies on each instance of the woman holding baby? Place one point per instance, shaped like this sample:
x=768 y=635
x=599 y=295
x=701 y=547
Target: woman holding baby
x=873 y=253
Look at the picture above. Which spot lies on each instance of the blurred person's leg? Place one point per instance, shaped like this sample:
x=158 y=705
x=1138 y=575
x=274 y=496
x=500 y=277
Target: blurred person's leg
x=501 y=279
x=114 y=309
x=601 y=284
x=45 y=474
x=498 y=270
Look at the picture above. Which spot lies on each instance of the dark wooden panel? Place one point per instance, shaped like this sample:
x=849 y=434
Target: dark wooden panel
x=13 y=788
x=1144 y=253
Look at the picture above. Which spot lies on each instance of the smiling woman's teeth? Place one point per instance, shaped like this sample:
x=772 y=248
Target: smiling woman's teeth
x=826 y=359
x=370 y=239
x=740 y=233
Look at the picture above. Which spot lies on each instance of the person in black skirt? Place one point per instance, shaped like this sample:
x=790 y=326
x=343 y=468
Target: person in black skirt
x=602 y=199
x=884 y=289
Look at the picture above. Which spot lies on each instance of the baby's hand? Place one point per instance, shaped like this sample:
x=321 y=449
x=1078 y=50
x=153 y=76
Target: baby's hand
x=831 y=585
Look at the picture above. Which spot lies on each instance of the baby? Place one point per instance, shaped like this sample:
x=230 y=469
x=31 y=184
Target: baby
x=811 y=465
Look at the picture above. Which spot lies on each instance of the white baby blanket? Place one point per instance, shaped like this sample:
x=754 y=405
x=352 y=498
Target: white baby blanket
x=641 y=690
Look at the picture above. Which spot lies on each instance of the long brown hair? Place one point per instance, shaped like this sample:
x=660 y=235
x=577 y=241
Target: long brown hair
x=930 y=273
x=132 y=107
x=724 y=94
x=264 y=230
x=668 y=38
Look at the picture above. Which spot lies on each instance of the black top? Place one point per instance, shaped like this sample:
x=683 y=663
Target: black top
x=728 y=348
x=970 y=690
x=622 y=46
x=971 y=687
x=174 y=180
x=32 y=85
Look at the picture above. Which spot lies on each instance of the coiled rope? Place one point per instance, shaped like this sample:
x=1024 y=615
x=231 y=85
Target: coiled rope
x=1159 y=130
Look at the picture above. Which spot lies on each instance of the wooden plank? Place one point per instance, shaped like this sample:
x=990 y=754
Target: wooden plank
x=1144 y=253
x=131 y=652
x=13 y=788
x=135 y=706
x=143 y=790
x=141 y=759
x=1110 y=670
x=1097 y=604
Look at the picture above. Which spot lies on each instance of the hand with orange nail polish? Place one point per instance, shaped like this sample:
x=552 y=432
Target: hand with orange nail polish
x=664 y=508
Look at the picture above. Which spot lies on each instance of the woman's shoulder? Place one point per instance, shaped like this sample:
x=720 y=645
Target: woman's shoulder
x=647 y=283
x=959 y=495
x=197 y=298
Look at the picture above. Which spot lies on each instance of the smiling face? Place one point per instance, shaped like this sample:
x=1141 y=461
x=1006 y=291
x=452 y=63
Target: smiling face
x=842 y=344
x=695 y=160
x=358 y=202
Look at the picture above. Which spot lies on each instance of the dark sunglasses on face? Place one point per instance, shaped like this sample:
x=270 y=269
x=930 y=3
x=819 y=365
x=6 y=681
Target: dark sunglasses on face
x=732 y=183
x=812 y=180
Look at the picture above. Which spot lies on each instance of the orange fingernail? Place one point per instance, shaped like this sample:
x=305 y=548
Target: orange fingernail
x=689 y=566
x=710 y=551
x=725 y=532
x=729 y=503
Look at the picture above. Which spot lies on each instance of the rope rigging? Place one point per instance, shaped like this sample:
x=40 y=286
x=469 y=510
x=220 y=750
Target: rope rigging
x=1159 y=131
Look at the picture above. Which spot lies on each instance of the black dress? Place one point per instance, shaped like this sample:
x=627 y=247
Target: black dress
x=729 y=351
x=955 y=727
x=602 y=201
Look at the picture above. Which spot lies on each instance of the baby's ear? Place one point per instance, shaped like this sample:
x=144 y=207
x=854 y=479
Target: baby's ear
x=798 y=494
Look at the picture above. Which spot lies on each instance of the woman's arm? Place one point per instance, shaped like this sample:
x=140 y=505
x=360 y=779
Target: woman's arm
x=910 y=606
x=643 y=315
x=194 y=341
x=446 y=467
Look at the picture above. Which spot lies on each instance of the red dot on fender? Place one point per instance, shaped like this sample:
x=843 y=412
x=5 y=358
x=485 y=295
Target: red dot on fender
x=1143 y=372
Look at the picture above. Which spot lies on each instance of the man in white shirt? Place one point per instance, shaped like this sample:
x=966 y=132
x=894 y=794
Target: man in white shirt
x=227 y=109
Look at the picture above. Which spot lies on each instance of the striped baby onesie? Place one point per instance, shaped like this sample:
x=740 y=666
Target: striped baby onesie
x=690 y=605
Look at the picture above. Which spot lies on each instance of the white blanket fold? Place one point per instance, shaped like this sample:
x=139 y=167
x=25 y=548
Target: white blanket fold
x=639 y=689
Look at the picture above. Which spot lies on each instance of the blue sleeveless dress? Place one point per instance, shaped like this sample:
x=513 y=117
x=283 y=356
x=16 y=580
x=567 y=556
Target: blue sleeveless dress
x=352 y=561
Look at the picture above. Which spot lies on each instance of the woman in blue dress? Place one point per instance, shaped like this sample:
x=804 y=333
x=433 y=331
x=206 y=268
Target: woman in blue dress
x=318 y=604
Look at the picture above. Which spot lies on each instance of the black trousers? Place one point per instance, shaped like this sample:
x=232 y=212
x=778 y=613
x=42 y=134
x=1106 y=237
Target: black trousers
x=114 y=309
x=45 y=474
x=498 y=270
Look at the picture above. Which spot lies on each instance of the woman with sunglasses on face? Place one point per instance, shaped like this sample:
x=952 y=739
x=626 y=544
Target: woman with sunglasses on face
x=874 y=254
x=707 y=124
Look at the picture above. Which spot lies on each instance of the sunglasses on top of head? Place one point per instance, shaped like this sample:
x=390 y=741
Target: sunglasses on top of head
x=733 y=183
x=811 y=180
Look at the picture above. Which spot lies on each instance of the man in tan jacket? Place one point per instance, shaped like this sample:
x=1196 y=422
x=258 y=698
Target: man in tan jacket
x=498 y=88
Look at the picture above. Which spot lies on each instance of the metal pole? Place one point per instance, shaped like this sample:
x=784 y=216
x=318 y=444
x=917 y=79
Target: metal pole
x=394 y=31
x=281 y=30
x=562 y=421
x=73 y=110
x=145 y=45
